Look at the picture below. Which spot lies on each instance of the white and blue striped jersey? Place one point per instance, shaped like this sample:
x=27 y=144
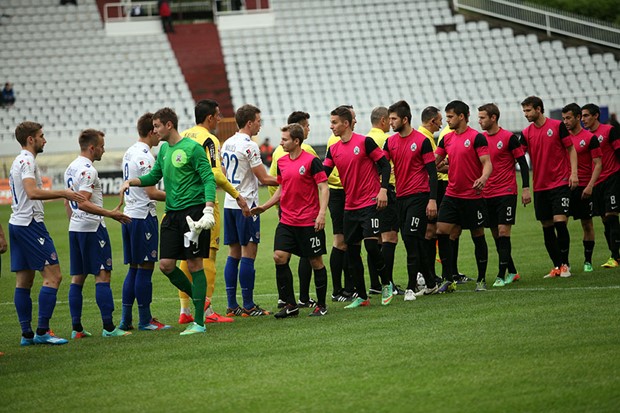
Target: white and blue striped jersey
x=239 y=155
x=138 y=161
x=82 y=176
x=24 y=208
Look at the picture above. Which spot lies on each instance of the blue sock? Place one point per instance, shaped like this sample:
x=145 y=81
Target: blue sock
x=23 y=305
x=47 y=302
x=144 y=294
x=129 y=295
x=231 y=271
x=75 y=305
x=246 y=281
x=103 y=296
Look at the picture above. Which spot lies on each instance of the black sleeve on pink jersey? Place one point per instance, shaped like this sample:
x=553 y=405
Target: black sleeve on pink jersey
x=440 y=143
x=525 y=171
x=563 y=131
x=278 y=173
x=431 y=168
x=513 y=142
x=384 y=170
x=370 y=145
x=427 y=147
x=594 y=143
x=328 y=170
x=522 y=140
x=480 y=141
x=316 y=166
x=614 y=135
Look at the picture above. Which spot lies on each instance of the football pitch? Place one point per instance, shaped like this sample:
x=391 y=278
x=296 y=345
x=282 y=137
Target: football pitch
x=539 y=345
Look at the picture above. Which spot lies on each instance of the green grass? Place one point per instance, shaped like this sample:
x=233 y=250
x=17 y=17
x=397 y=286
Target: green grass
x=538 y=345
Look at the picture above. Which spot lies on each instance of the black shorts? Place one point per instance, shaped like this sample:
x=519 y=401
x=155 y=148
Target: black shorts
x=606 y=195
x=173 y=228
x=336 y=210
x=361 y=223
x=502 y=210
x=412 y=214
x=552 y=202
x=441 y=192
x=468 y=213
x=388 y=217
x=301 y=241
x=580 y=208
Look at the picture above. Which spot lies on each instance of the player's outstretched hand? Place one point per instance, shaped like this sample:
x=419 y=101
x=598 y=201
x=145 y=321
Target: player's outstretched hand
x=257 y=210
x=208 y=220
x=245 y=210
x=74 y=196
x=120 y=217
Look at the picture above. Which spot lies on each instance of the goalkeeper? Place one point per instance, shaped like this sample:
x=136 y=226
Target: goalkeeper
x=190 y=196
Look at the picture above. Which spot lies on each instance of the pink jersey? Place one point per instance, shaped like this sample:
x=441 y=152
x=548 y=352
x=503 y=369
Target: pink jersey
x=609 y=140
x=355 y=161
x=504 y=149
x=587 y=148
x=409 y=154
x=298 y=179
x=464 y=151
x=547 y=148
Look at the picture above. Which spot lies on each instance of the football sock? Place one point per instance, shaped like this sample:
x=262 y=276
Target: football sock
x=588 y=248
x=246 y=282
x=349 y=283
x=563 y=241
x=614 y=235
x=481 y=251
x=47 y=302
x=129 y=295
x=430 y=254
x=23 y=306
x=455 y=255
x=607 y=227
x=336 y=262
x=105 y=301
x=356 y=268
x=388 y=250
x=445 y=253
x=199 y=292
x=373 y=275
x=427 y=274
x=285 y=283
x=179 y=280
x=503 y=252
x=551 y=243
x=185 y=299
x=413 y=260
x=144 y=294
x=320 y=283
x=511 y=264
x=231 y=272
x=304 y=271
x=375 y=259
x=75 y=305
x=210 y=271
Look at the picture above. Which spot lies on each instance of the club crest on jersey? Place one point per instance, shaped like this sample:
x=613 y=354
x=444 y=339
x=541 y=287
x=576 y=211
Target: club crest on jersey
x=582 y=143
x=302 y=170
x=414 y=147
x=179 y=158
x=356 y=150
x=500 y=145
x=549 y=132
x=600 y=138
x=467 y=143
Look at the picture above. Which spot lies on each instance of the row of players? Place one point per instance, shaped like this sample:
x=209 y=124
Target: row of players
x=366 y=201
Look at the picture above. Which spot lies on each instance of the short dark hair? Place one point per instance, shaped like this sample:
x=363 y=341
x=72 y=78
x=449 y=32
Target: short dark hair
x=592 y=109
x=166 y=115
x=402 y=109
x=343 y=112
x=429 y=113
x=535 y=102
x=25 y=129
x=145 y=124
x=295 y=130
x=204 y=108
x=574 y=108
x=458 y=107
x=297 y=117
x=491 y=109
x=377 y=114
x=89 y=137
x=245 y=114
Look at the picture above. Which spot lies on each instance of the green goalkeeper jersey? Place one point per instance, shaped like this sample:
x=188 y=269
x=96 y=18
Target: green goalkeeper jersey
x=188 y=179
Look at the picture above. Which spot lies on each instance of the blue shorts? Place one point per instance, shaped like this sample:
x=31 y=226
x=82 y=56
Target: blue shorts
x=239 y=229
x=90 y=252
x=140 y=240
x=32 y=247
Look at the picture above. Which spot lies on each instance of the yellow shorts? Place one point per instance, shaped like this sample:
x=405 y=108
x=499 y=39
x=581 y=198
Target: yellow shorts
x=215 y=231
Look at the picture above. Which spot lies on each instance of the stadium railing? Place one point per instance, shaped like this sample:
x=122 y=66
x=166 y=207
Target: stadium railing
x=551 y=21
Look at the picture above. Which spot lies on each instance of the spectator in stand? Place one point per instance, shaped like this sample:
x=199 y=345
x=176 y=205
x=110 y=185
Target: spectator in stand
x=63 y=2
x=166 y=15
x=266 y=152
x=8 y=96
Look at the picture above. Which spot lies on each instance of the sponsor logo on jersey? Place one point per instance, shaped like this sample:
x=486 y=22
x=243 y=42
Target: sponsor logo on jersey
x=41 y=241
x=302 y=170
x=148 y=236
x=467 y=143
x=414 y=147
x=102 y=243
x=500 y=145
x=356 y=150
x=179 y=158
x=549 y=132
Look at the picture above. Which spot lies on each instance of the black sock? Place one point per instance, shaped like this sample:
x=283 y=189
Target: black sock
x=614 y=236
x=285 y=282
x=588 y=248
x=503 y=252
x=304 y=271
x=320 y=282
x=563 y=241
x=455 y=256
x=482 y=256
x=356 y=269
x=375 y=259
x=109 y=327
x=78 y=327
x=29 y=334
x=336 y=263
x=445 y=253
x=388 y=249
x=431 y=253
x=375 y=283
x=41 y=331
x=551 y=243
